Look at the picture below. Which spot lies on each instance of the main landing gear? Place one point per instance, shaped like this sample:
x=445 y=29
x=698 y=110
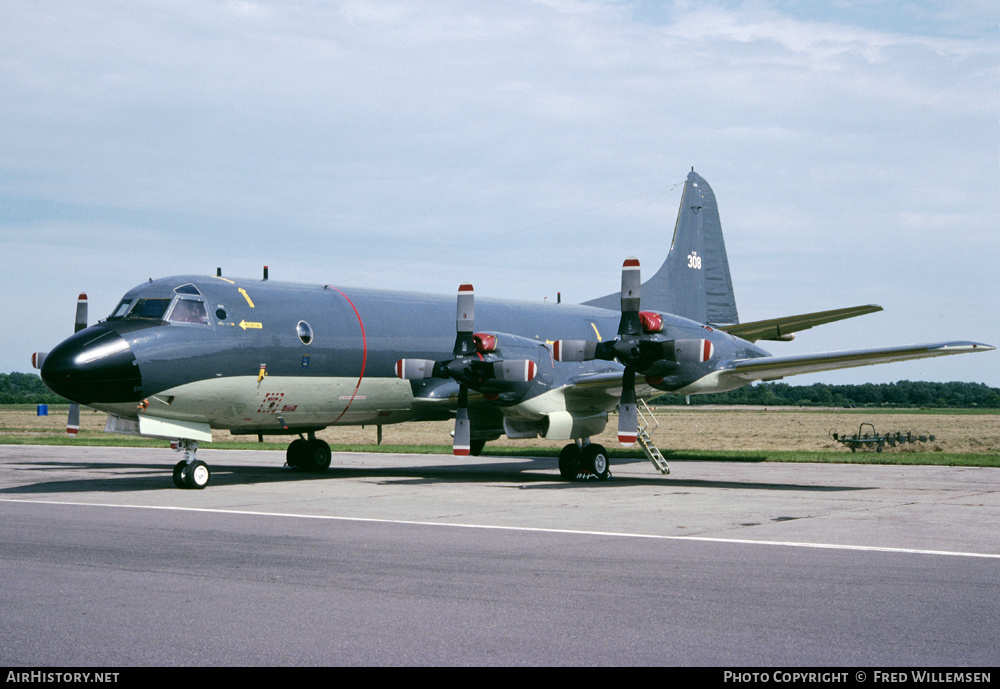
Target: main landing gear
x=190 y=472
x=584 y=459
x=308 y=455
x=303 y=454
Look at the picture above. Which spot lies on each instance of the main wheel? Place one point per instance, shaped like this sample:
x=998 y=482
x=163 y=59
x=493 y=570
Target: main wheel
x=296 y=452
x=569 y=462
x=196 y=475
x=594 y=460
x=316 y=456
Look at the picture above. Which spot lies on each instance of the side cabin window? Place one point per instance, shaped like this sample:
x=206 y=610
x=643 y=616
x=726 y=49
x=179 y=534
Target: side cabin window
x=189 y=311
x=305 y=332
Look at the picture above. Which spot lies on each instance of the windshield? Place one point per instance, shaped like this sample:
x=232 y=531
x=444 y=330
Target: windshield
x=121 y=309
x=183 y=310
x=152 y=309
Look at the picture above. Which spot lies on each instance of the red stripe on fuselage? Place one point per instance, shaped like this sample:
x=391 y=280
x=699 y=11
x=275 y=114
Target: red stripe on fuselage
x=364 y=354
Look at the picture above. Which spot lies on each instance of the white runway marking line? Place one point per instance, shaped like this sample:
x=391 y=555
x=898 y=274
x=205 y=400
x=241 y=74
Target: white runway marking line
x=526 y=529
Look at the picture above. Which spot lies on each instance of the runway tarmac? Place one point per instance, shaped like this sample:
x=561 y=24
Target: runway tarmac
x=437 y=560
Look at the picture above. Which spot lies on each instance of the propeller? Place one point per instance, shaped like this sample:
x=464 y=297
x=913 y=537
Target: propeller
x=465 y=345
x=629 y=331
x=38 y=358
x=468 y=367
x=636 y=347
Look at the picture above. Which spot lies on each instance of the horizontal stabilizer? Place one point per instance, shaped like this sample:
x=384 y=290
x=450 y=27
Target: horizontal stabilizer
x=780 y=328
x=769 y=368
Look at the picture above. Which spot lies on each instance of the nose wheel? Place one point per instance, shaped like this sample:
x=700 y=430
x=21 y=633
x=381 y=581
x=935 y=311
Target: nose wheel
x=190 y=472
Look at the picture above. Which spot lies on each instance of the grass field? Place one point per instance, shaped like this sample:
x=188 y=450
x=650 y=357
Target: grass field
x=962 y=437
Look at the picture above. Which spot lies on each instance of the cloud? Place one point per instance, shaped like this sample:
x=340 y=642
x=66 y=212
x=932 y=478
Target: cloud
x=529 y=145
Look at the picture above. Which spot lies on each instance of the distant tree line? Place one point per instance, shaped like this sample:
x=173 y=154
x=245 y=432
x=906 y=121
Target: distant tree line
x=26 y=388
x=905 y=393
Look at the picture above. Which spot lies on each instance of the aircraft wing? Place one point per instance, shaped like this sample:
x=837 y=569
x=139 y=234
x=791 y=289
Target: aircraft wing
x=780 y=328
x=743 y=371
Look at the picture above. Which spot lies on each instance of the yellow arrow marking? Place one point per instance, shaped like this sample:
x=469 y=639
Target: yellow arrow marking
x=246 y=324
x=247 y=297
x=598 y=334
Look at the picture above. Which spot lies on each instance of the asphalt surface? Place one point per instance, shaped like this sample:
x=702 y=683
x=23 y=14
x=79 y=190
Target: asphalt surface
x=435 y=560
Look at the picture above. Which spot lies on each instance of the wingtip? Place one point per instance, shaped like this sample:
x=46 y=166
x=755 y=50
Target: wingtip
x=959 y=347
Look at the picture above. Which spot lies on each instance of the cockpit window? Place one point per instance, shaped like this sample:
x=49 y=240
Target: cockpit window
x=184 y=310
x=188 y=311
x=122 y=309
x=152 y=309
x=187 y=288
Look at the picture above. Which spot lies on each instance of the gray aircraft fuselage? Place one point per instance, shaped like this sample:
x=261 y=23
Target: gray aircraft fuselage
x=271 y=357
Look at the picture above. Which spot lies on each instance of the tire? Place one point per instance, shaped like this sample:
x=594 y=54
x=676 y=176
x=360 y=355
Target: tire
x=197 y=475
x=569 y=462
x=179 y=474
x=594 y=460
x=296 y=452
x=316 y=456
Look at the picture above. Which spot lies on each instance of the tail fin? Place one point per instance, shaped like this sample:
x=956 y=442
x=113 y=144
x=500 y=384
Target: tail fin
x=694 y=280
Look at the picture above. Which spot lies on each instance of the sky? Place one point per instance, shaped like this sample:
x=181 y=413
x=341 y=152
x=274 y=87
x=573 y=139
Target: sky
x=525 y=146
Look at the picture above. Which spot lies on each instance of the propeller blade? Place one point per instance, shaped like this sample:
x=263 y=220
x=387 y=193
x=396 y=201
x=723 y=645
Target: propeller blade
x=628 y=411
x=81 y=312
x=37 y=359
x=80 y=322
x=73 y=422
x=463 y=433
x=631 y=323
x=465 y=321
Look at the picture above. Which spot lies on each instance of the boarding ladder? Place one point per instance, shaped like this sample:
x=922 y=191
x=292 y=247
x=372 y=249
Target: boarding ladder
x=646 y=420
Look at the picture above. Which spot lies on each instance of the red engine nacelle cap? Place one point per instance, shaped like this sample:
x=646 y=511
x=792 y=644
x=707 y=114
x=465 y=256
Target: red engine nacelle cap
x=651 y=322
x=485 y=343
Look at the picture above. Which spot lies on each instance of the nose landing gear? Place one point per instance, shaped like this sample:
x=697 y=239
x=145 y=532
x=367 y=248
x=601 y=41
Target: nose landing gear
x=190 y=472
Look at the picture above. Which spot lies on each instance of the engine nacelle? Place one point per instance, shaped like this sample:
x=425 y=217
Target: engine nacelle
x=562 y=425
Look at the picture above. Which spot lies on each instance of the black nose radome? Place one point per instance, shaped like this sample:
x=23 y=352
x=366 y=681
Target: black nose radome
x=94 y=365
